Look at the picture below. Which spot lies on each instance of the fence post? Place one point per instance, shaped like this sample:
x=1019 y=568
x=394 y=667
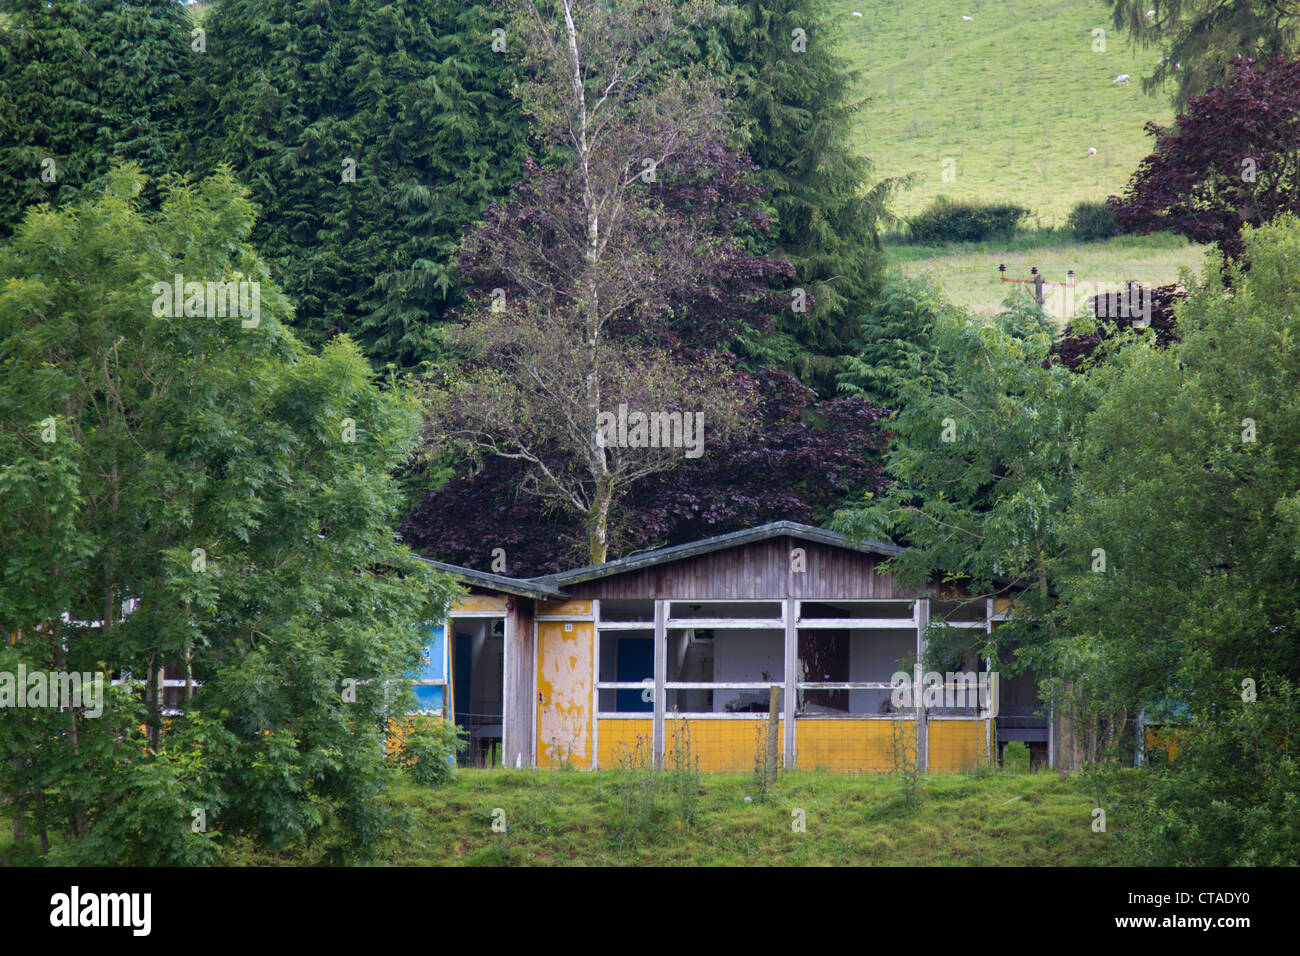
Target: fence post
x=773 y=723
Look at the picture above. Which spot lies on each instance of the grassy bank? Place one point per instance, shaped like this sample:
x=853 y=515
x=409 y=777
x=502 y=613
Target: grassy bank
x=555 y=818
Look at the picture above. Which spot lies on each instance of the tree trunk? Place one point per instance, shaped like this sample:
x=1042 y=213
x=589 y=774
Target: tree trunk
x=153 y=691
x=598 y=521
x=589 y=307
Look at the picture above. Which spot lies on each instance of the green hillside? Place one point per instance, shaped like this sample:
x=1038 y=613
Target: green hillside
x=1015 y=97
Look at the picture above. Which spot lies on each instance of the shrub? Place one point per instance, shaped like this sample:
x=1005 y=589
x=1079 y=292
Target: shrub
x=1015 y=757
x=1231 y=797
x=427 y=753
x=1091 y=221
x=949 y=220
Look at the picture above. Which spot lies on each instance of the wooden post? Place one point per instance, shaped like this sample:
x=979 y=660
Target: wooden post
x=1051 y=729
x=993 y=688
x=661 y=677
x=922 y=729
x=773 y=723
x=1038 y=289
x=791 y=678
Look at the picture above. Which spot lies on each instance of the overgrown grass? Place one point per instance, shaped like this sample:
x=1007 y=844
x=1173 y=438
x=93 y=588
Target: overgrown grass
x=555 y=819
x=1015 y=98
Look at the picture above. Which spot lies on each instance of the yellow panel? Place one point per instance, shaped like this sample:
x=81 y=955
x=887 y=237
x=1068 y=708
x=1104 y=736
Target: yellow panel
x=619 y=736
x=851 y=746
x=721 y=744
x=479 y=602
x=399 y=730
x=1166 y=740
x=564 y=692
x=567 y=607
x=956 y=744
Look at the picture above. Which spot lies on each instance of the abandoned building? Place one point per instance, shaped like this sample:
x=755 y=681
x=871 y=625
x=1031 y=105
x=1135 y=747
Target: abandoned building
x=573 y=669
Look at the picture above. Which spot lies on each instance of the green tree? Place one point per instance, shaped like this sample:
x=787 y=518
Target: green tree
x=370 y=134
x=1188 y=486
x=896 y=331
x=187 y=487
x=983 y=464
x=794 y=98
x=1231 y=795
x=1188 y=490
x=84 y=83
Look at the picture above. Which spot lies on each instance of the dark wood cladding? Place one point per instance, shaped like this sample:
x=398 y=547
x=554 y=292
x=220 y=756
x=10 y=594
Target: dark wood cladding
x=517 y=742
x=761 y=571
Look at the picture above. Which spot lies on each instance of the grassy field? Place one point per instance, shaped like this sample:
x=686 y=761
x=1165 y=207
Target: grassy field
x=556 y=818
x=968 y=272
x=1014 y=98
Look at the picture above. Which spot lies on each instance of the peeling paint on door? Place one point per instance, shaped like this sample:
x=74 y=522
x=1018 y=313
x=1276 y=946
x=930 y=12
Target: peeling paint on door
x=564 y=694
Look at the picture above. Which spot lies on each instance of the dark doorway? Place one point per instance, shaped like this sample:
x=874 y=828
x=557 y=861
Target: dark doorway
x=478 y=678
x=825 y=658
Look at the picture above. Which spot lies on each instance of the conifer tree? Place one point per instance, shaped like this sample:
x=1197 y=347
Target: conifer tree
x=83 y=84
x=796 y=95
x=370 y=135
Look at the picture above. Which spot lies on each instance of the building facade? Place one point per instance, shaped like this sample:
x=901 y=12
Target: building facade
x=686 y=643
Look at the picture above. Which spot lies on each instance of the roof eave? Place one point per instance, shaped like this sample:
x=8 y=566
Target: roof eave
x=677 y=552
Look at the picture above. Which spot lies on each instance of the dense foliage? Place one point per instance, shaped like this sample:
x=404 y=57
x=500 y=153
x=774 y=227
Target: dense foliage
x=643 y=298
x=1231 y=797
x=187 y=487
x=794 y=97
x=961 y=220
x=1228 y=162
x=369 y=134
x=895 y=332
x=1187 y=482
x=84 y=83
x=1090 y=221
x=799 y=461
x=1131 y=307
x=982 y=467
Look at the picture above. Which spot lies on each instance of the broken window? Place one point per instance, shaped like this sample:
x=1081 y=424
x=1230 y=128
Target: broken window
x=834 y=663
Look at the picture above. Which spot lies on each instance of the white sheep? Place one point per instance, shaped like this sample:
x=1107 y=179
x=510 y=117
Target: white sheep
x=856 y=14
x=1122 y=78
x=969 y=19
x=1092 y=150
x=1151 y=15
